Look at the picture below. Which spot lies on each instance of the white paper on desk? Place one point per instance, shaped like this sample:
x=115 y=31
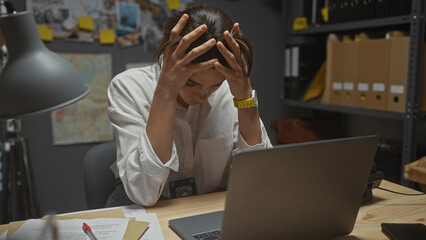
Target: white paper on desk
x=128 y=211
x=103 y=228
x=154 y=230
x=133 y=211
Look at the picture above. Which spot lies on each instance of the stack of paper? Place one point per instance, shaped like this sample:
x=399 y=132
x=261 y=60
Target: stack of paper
x=128 y=222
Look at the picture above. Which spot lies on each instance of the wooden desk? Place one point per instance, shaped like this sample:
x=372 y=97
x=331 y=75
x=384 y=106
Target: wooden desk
x=385 y=207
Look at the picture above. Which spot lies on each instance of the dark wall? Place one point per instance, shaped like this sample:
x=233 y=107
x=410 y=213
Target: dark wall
x=58 y=170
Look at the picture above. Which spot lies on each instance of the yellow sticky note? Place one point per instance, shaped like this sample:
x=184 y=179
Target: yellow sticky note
x=106 y=36
x=45 y=32
x=173 y=4
x=300 y=23
x=324 y=13
x=135 y=229
x=85 y=23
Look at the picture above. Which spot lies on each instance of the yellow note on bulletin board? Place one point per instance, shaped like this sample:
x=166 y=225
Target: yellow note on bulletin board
x=173 y=4
x=45 y=32
x=85 y=23
x=106 y=36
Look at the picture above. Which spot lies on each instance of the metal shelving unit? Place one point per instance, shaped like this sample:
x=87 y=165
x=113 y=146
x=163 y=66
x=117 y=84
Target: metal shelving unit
x=412 y=114
x=343 y=109
x=415 y=23
x=349 y=26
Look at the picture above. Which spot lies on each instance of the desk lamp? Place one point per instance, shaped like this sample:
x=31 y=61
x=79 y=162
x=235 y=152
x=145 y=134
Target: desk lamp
x=33 y=80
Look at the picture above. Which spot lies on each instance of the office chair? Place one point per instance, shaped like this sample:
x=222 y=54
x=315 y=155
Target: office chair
x=99 y=180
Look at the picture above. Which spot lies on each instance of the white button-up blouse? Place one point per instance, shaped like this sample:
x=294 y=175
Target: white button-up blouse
x=205 y=136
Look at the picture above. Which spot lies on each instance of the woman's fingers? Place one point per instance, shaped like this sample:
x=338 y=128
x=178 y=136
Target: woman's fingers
x=200 y=50
x=177 y=29
x=229 y=57
x=238 y=82
x=189 y=38
x=236 y=29
x=235 y=48
x=197 y=67
x=223 y=70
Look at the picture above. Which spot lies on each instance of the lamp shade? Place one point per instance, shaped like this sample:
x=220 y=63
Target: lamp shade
x=34 y=79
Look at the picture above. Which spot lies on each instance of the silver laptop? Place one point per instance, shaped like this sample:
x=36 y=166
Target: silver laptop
x=307 y=190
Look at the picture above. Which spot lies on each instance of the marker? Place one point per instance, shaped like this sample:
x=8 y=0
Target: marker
x=89 y=232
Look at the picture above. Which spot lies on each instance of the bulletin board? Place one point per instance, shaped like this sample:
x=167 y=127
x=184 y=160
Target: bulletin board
x=125 y=22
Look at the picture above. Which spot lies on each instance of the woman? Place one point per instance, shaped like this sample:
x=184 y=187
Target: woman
x=175 y=123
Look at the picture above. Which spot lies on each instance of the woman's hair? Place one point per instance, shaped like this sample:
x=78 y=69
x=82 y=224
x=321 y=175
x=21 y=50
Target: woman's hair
x=217 y=22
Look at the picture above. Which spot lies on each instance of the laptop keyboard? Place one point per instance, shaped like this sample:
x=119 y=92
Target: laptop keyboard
x=212 y=235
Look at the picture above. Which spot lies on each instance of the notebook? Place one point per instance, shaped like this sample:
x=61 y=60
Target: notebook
x=309 y=190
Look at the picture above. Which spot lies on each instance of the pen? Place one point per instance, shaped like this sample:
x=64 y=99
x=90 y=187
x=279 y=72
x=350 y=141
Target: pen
x=89 y=232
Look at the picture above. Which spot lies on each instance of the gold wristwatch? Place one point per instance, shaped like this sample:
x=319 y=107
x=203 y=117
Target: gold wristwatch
x=247 y=103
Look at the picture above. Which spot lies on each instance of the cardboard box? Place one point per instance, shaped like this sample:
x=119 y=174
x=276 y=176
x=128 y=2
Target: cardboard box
x=333 y=93
x=325 y=97
x=350 y=73
x=365 y=67
x=398 y=74
x=416 y=172
x=380 y=73
x=380 y=78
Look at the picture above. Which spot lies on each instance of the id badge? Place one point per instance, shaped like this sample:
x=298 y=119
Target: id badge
x=183 y=188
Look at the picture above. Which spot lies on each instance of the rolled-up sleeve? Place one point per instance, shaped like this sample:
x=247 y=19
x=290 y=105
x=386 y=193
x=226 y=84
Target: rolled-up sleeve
x=242 y=145
x=141 y=171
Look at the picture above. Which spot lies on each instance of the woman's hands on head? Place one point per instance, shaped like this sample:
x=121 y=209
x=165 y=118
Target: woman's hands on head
x=236 y=75
x=177 y=66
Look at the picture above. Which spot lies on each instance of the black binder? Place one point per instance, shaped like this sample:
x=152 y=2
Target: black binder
x=310 y=57
x=399 y=7
x=344 y=11
x=367 y=9
x=333 y=10
x=354 y=10
x=383 y=8
x=317 y=6
x=307 y=10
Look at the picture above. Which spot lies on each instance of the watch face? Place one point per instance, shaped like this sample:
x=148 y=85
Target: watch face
x=256 y=101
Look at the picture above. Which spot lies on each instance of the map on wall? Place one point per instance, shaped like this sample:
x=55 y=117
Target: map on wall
x=87 y=120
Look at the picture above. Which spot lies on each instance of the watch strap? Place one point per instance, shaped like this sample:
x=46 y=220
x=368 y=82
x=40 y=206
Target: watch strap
x=246 y=103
